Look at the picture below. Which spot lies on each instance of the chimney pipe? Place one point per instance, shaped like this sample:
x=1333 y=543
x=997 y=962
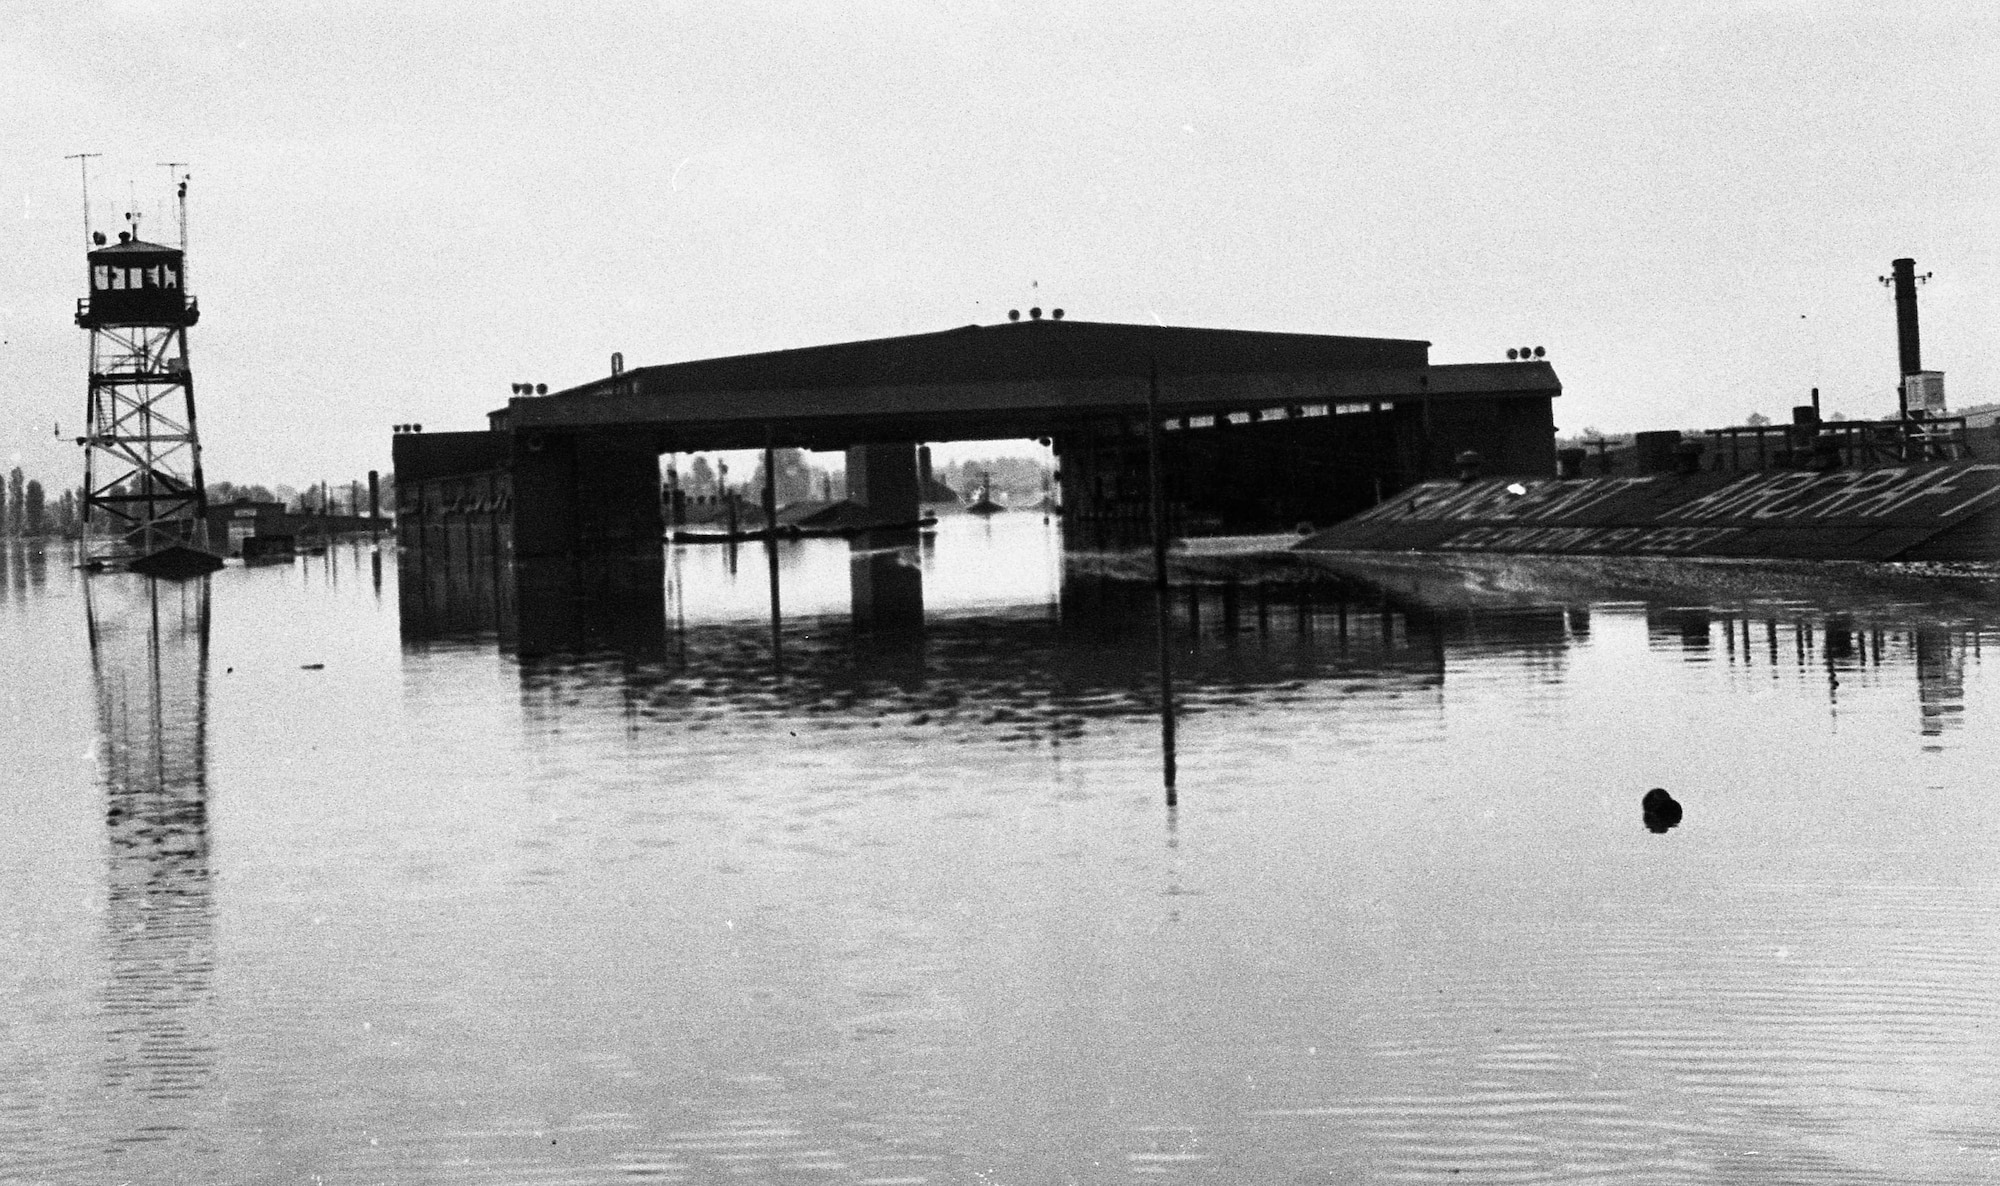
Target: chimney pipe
x=1904 y=278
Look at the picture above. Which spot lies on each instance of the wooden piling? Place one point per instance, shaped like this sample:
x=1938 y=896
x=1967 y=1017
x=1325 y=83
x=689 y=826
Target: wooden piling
x=1162 y=611
x=771 y=543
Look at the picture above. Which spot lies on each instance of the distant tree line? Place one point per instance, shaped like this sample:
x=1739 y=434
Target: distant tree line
x=27 y=511
x=320 y=498
x=1016 y=477
x=798 y=479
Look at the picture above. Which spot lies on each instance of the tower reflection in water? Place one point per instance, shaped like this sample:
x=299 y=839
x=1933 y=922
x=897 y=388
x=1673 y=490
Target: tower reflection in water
x=149 y=660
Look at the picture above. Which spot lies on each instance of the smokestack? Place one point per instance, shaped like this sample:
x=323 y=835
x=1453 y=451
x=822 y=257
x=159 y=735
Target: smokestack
x=1903 y=275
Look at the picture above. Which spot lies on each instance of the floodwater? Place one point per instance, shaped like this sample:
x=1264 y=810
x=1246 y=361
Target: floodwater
x=371 y=869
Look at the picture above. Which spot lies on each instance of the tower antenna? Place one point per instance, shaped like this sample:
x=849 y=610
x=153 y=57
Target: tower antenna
x=83 y=162
x=180 y=198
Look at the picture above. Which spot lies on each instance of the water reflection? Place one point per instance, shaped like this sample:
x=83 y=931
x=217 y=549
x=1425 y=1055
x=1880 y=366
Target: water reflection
x=149 y=662
x=1841 y=644
x=1086 y=653
x=1492 y=1072
x=558 y=606
x=462 y=593
x=1026 y=674
x=639 y=900
x=24 y=566
x=1940 y=664
x=574 y=607
x=886 y=580
x=1688 y=628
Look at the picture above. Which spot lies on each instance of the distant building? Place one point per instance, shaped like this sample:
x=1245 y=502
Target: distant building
x=230 y=523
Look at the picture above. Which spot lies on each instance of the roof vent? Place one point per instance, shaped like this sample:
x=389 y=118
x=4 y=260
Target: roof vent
x=1013 y=315
x=1057 y=314
x=1036 y=313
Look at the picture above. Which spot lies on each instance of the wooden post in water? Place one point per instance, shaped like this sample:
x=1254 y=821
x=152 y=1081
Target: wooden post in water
x=770 y=483
x=730 y=499
x=771 y=540
x=1160 y=604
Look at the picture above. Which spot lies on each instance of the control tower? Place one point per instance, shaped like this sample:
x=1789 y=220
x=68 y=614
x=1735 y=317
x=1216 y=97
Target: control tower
x=143 y=499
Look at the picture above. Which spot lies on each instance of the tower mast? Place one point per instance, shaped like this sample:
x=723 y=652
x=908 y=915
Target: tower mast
x=83 y=163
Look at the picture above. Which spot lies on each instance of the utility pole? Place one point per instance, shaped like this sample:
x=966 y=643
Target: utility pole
x=1163 y=621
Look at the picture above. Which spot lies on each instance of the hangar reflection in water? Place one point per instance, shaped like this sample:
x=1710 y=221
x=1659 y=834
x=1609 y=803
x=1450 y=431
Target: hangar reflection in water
x=1088 y=647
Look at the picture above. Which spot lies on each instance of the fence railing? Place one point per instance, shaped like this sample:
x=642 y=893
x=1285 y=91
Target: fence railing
x=1857 y=443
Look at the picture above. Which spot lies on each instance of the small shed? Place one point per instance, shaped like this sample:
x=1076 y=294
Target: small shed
x=230 y=523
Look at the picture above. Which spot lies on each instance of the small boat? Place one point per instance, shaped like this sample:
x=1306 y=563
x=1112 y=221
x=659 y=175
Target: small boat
x=984 y=504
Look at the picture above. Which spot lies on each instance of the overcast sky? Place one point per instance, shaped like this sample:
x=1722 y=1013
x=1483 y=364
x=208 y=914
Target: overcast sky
x=400 y=208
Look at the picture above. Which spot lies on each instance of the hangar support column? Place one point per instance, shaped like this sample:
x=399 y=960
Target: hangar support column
x=590 y=492
x=884 y=579
x=883 y=478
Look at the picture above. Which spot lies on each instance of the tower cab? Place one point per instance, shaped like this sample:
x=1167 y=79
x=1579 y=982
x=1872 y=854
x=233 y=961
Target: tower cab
x=133 y=282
